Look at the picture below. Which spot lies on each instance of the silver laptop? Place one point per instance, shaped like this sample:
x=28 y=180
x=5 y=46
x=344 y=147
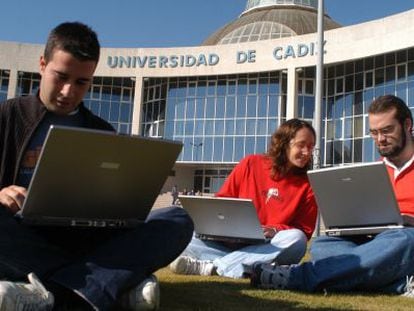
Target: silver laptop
x=356 y=199
x=96 y=178
x=223 y=219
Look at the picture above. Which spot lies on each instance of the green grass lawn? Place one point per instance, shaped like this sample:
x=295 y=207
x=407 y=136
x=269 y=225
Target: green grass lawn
x=182 y=292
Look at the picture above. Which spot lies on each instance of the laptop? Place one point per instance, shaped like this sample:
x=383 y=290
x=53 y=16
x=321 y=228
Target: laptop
x=95 y=178
x=223 y=219
x=356 y=199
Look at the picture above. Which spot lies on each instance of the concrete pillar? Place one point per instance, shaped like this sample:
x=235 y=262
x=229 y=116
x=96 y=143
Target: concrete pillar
x=292 y=94
x=138 y=104
x=12 y=89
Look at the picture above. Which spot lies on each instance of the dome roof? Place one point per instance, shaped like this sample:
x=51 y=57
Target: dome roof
x=263 y=20
x=261 y=3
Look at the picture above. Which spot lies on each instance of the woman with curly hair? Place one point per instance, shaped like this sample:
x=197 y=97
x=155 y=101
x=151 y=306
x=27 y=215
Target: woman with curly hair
x=278 y=185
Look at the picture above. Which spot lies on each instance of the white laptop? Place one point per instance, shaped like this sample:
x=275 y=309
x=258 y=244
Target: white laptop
x=356 y=199
x=97 y=178
x=223 y=219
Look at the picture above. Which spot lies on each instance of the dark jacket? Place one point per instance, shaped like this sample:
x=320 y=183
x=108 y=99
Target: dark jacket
x=19 y=117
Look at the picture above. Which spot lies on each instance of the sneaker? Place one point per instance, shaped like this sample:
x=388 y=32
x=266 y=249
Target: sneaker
x=409 y=287
x=268 y=276
x=145 y=296
x=25 y=296
x=188 y=265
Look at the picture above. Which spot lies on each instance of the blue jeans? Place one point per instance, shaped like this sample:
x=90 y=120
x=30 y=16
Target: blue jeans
x=380 y=263
x=98 y=264
x=286 y=247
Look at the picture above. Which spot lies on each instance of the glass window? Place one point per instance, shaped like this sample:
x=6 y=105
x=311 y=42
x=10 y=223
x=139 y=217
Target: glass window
x=390 y=74
x=114 y=115
x=231 y=87
x=104 y=110
x=358 y=103
x=358 y=127
x=308 y=107
x=209 y=127
x=190 y=110
x=230 y=107
x=348 y=105
x=348 y=151
x=250 y=145
x=180 y=108
x=369 y=79
x=229 y=127
x=191 y=90
x=211 y=89
x=379 y=76
x=239 y=151
x=228 y=149
x=251 y=106
x=263 y=86
x=210 y=109
x=338 y=155
x=357 y=150
x=241 y=106
x=125 y=112
x=262 y=106
x=273 y=106
x=261 y=127
x=348 y=128
x=338 y=128
x=200 y=108
x=218 y=149
x=250 y=126
x=242 y=87
x=261 y=144
x=219 y=128
x=207 y=149
x=220 y=107
x=402 y=72
x=179 y=128
x=201 y=89
x=339 y=85
x=189 y=128
x=368 y=150
x=241 y=127
x=198 y=128
x=252 y=86
x=339 y=107
x=272 y=124
x=221 y=88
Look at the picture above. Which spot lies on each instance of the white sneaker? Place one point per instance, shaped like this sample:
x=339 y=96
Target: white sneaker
x=145 y=296
x=409 y=287
x=188 y=265
x=25 y=296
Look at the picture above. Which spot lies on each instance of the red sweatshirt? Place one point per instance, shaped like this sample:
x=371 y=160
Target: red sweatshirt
x=404 y=188
x=282 y=204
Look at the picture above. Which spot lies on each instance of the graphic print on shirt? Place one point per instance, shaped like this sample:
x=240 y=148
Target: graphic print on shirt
x=272 y=193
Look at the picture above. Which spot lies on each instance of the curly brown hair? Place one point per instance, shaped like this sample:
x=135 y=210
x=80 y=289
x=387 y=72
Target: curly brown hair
x=279 y=145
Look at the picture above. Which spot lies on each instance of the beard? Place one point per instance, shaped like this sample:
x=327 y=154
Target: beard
x=395 y=150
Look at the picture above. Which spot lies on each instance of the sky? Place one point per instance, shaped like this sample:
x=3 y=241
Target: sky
x=157 y=23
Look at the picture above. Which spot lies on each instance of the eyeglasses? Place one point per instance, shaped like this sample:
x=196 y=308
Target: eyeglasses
x=385 y=131
x=302 y=145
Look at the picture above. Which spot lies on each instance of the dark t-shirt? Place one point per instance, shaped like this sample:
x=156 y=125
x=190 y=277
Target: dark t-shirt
x=32 y=152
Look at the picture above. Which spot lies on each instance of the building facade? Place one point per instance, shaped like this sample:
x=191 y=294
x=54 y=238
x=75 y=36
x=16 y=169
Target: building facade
x=224 y=98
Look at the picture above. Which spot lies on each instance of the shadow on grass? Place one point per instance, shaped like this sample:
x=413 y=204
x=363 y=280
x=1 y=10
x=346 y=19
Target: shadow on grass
x=200 y=293
x=218 y=295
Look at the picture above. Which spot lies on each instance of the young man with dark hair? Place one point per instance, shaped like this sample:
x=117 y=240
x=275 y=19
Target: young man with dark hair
x=384 y=262
x=93 y=268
